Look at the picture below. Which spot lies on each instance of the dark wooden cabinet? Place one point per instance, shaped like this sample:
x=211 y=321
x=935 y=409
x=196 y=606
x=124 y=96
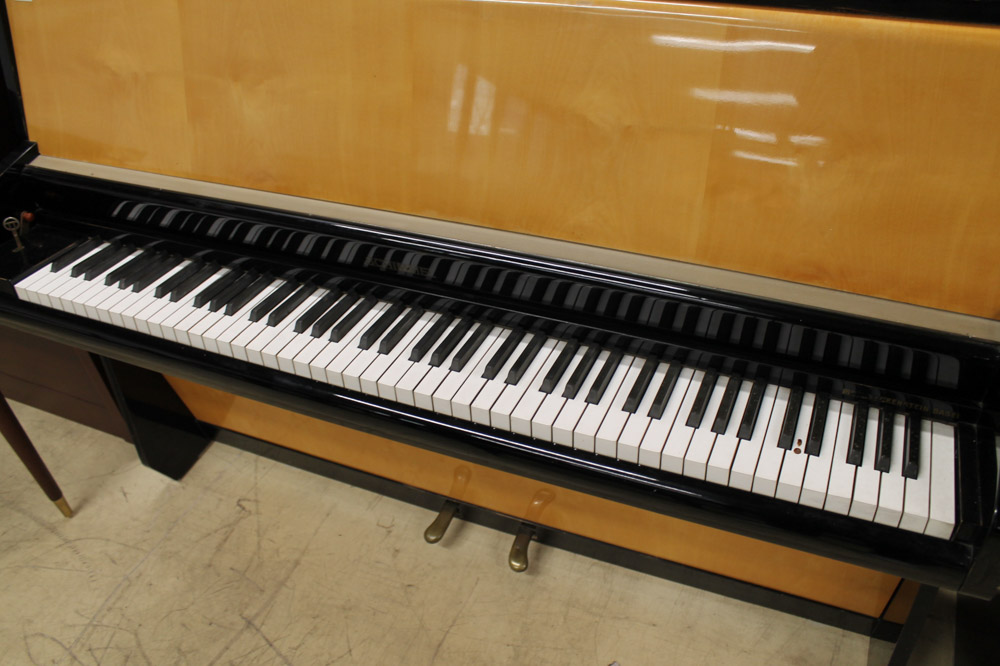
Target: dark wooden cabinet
x=58 y=379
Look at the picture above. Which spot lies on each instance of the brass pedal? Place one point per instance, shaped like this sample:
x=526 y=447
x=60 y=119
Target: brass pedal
x=435 y=531
x=518 y=558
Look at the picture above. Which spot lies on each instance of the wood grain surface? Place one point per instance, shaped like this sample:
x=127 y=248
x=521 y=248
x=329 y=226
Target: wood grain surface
x=855 y=153
x=775 y=567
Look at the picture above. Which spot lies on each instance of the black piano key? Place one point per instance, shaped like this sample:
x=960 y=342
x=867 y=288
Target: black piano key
x=223 y=297
x=81 y=267
x=392 y=338
x=496 y=363
x=351 y=319
x=164 y=266
x=334 y=314
x=205 y=272
x=721 y=421
x=73 y=253
x=883 y=447
x=558 y=368
x=381 y=325
x=428 y=339
x=272 y=301
x=175 y=280
x=581 y=371
x=641 y=385
x=310 y=316
x=604 y=377
x=217 y=287
x=133 y=265
x=856 y=449
x=911 y=449
x=248 y=294
x=524 y=360
x=474 y=342
x=701 y=399
x=749 y=420
x=664 y=392
x=447 y=346
x=289 y=304
x=787 y=437
x=814 y=441
x=107 y=262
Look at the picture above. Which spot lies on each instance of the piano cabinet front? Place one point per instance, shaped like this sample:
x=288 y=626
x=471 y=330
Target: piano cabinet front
x=771 y=566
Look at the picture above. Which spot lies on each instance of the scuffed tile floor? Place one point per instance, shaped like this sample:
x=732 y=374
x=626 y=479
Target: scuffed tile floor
x=247 y=561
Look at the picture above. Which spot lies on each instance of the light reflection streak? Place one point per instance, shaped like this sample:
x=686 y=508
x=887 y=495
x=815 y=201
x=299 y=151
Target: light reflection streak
x=457 y=98
x=662 y=11
x=482 y=107
x=807 y=140
x=740 y=46
x=784 y=161
x=763 y=137
x=745 y=97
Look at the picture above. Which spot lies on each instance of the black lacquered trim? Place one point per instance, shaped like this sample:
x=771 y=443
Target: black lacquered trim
x=548 y=536
x=955 y=11
x=965 y=368
x=933 y=561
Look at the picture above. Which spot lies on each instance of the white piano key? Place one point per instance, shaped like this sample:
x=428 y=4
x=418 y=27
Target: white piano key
x=547 y=413
x=585 y=433
x=147 y=297
x=679 y=438
x=917 y=495
x=941 y=522
x=765 y=476
x=655 y=438
x=866 y=478
x=256 y=337
x=27 y=288
x=446 y=392
x=493 y=388
x=793 y=467
x=720 y=463
x=388 y=381
x=373 y=374
x=286 y=332
x=893 y=485
x=218 y=337
x=503 y=408
x=745 y=462
x=630 y=439
x=817 y=480
x=423 y=394
x=407 y=384
x=287 y=355
x=569 y=415
x=365 y=357
x=341 y=353
x=703 y=440
x=606 y=439
x=841 y=488
x=132 y=299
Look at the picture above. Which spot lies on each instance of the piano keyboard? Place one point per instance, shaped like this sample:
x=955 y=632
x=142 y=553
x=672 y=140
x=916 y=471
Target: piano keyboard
x=853 y=459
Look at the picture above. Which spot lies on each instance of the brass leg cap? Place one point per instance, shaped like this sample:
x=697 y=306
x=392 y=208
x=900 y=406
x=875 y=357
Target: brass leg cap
x=64 y=507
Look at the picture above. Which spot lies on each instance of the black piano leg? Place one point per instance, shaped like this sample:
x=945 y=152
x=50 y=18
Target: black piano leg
x=166 y=435
x=977 y=630
x=908 y=635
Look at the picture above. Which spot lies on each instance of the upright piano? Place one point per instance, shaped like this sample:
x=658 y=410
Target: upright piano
x=711 y=283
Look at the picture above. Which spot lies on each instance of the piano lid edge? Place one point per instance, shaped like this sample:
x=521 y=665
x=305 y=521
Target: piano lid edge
x=659 y=268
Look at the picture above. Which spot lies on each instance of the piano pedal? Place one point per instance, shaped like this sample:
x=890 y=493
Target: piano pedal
x=518 y=557
x=435 y=531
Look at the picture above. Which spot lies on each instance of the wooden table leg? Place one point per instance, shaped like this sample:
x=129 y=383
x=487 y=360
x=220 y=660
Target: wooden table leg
x=25 y=450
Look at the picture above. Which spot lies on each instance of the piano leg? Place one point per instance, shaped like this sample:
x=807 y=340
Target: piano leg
x=167 y=437
x=25 y=450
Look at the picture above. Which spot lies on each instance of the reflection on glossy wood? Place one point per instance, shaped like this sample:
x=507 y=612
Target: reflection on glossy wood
x=848 y=152
x=791 y=571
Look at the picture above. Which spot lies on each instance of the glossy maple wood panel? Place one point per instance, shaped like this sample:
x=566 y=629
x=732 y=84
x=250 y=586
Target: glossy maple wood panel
x=854 y=153
x=788 y=570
